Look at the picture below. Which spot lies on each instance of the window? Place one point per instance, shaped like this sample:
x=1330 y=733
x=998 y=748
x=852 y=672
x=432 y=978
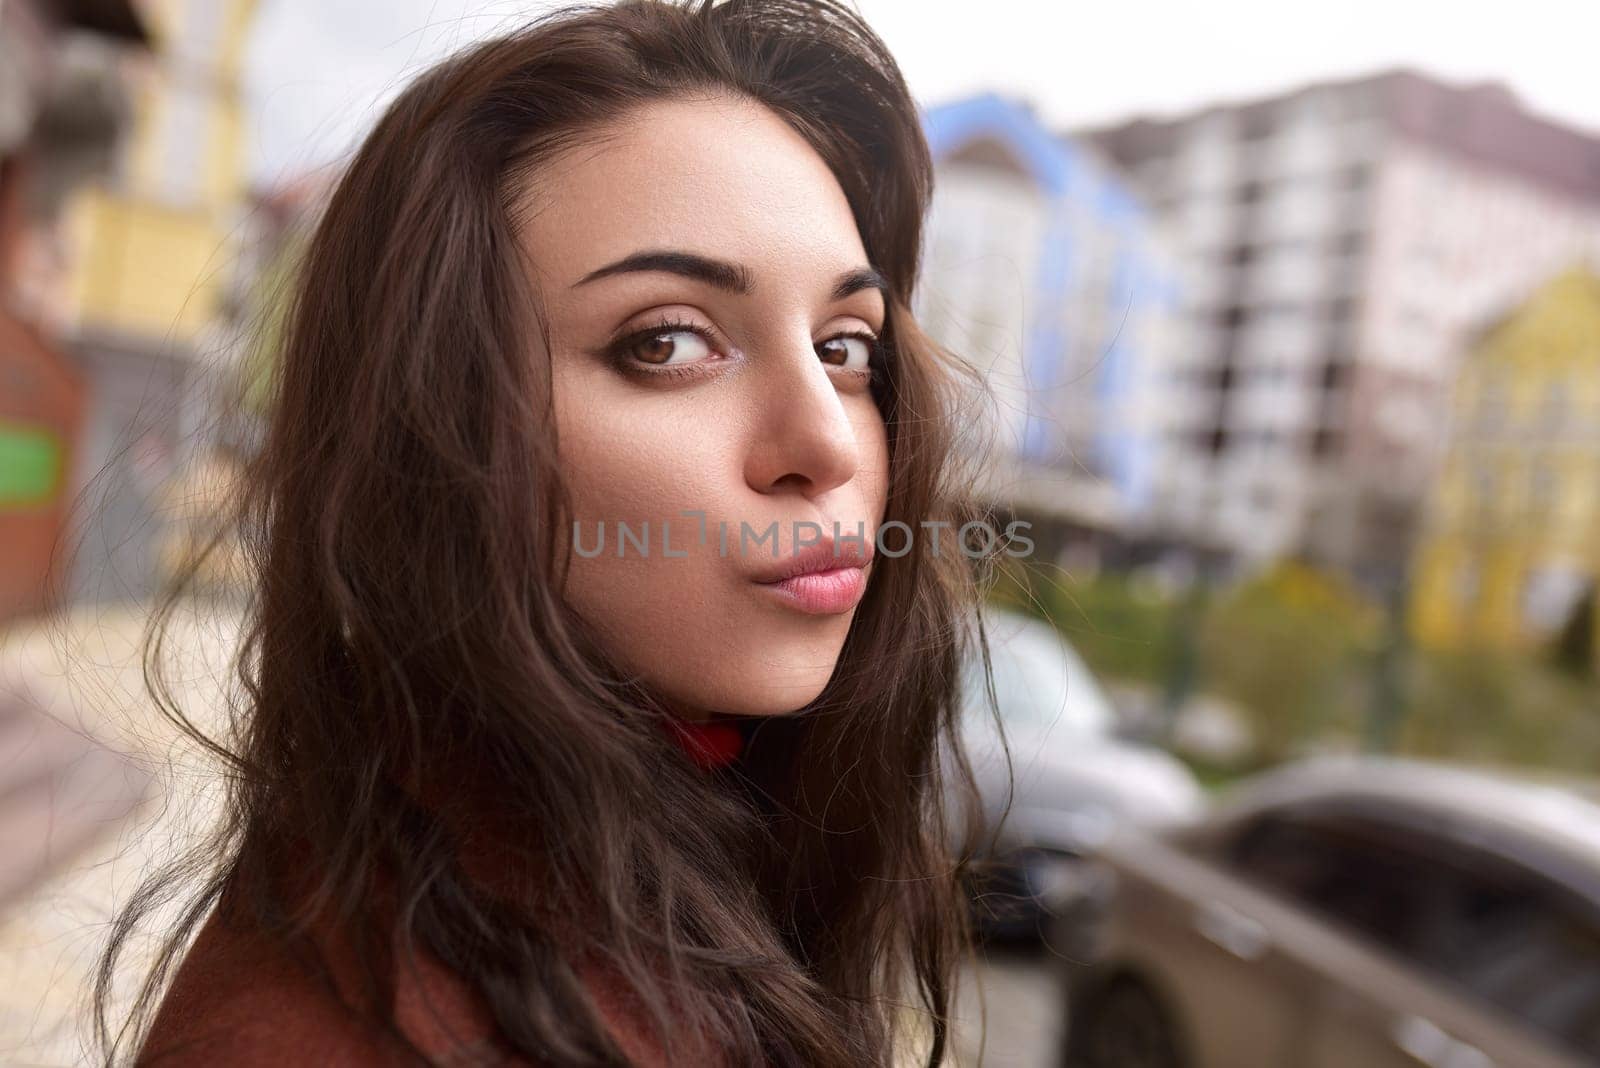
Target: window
x=185 y=117
x=1485 y=484
x=1342 y=870
x=1350 y=244
x=1542 y=486
x=1525 y=946
x=1554 y=409
x=1335 y=372
x=1255 y=124
x=1465 y=583
x=1494 y=404
x=1325 y=442
x=1500 y=931
x=1550 y=591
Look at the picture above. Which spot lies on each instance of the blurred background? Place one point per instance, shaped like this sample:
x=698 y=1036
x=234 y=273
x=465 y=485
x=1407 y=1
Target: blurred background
x=1290 y=317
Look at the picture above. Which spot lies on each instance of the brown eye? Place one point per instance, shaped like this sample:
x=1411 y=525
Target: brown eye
x=851 y=351
x=666 y=347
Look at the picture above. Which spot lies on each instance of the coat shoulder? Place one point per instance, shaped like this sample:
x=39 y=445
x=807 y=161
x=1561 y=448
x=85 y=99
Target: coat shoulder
x=239 y=998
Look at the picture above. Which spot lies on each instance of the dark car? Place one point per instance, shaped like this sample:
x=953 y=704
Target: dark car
x=1349 y=912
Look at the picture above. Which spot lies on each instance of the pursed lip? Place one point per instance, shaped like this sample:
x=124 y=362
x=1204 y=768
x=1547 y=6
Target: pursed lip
x=826 y=555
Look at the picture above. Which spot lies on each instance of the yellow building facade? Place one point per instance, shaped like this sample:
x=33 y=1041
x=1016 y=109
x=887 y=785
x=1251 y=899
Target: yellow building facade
x=1511 y=543
x=152 y=246
x=151 y=254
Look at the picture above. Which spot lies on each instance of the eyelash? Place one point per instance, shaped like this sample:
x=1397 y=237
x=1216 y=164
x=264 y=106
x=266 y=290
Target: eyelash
x=618 y=350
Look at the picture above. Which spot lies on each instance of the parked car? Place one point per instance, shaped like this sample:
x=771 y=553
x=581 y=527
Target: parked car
x=1342 y=912
x=1071 y=780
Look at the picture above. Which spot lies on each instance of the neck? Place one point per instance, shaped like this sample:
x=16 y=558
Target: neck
x=710 y=742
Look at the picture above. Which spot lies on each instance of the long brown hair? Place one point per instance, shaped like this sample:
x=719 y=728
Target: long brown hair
x=404 y=516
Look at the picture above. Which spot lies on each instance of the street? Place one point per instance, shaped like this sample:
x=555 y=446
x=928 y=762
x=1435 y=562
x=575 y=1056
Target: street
x=1011 y=1017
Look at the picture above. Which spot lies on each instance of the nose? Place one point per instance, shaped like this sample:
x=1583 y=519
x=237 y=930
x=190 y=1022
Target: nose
x=805 y=441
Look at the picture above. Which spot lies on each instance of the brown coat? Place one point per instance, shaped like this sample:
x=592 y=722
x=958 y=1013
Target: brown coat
x=242 y=999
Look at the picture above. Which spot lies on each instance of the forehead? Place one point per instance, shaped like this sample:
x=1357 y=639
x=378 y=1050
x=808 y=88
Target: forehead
x=721 y=176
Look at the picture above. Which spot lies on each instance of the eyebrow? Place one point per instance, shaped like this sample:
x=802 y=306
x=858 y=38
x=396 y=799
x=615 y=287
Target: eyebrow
x=732 y=277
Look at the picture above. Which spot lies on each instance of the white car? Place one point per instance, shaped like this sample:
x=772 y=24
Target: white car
x=1072 y=781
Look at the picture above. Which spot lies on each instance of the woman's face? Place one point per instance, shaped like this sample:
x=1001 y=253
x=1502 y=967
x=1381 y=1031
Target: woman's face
x=711 y=315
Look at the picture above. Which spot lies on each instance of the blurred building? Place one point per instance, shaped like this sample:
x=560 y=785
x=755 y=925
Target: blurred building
x=62 y=110
x=1343 y=240
x=201 y=540
x=1041 y=270
x=1512 y=540
x=151 y=256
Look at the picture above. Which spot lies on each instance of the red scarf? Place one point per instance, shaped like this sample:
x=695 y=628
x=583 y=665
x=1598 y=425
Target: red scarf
x=710 y=743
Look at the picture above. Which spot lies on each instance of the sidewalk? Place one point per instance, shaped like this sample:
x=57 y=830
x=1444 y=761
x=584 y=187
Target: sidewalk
x=86 y=766
x=59 y=791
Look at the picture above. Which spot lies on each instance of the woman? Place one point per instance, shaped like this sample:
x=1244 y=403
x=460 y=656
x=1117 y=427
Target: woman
x=554 y=752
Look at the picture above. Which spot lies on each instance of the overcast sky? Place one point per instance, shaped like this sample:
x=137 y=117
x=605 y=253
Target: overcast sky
x=320 y=70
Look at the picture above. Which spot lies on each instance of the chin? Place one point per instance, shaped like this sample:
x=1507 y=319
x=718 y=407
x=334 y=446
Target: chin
x=782 y=700
x=770 y=692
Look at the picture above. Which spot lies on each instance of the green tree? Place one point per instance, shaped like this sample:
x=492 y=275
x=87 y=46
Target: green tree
x=1285 y=646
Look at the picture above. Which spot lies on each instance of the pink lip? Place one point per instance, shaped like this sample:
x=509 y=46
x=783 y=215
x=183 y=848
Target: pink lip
x=822 y=593
x=821 y=556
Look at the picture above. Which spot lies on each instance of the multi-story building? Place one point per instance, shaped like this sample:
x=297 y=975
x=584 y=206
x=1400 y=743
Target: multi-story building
x=1511 y=541
x=1040 y=271
x=1341 y=241
x=152 y=254
x=61 y=112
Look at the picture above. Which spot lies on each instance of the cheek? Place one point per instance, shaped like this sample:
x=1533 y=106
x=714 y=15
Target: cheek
x=874 y=478
x=628 y=457
x=691 y=626
x=641 y=462
x=639 y=466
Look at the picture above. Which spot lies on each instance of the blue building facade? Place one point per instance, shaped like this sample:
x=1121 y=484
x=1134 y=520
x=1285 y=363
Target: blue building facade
x=1099 y=298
